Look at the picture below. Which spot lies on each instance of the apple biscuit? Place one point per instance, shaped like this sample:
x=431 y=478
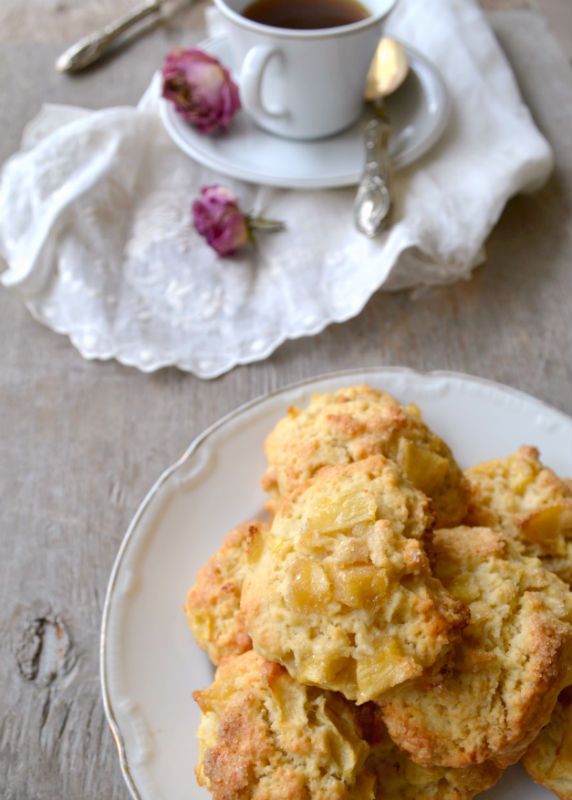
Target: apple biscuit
x=263 y=736
x=213 y=603
x=400 y=778
x=521 y=496
x=340 y=589
x=548 y=760
x=352 y=424
x=498 y=684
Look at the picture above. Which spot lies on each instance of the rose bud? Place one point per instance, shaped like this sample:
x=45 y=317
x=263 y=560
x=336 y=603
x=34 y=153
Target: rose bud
x=218 y=218
x=200 y=88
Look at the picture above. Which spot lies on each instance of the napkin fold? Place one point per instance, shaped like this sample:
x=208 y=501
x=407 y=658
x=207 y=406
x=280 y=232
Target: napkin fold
x=96 y=231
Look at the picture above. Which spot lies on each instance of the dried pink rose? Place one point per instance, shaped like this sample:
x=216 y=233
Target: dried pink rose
x=218 y=218
x=200 y=88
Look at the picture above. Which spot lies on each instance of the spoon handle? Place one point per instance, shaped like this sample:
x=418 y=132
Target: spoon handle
x=89 y=49
x=373 y=198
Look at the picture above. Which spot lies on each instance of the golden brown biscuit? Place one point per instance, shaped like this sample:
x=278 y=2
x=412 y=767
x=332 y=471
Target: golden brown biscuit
x=548 y=760
x=355 y=423
x=340 y=590
x=213 y=602
x=263 y=736
x=500 y=681
x=529 y=501
x=400 y=778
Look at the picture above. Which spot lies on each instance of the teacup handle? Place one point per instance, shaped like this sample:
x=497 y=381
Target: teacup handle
x=251 y=76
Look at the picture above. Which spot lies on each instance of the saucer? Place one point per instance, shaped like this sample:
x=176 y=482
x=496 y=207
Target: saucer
x=418 y=112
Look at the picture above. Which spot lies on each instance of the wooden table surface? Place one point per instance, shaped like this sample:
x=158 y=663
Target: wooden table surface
x=82 y=442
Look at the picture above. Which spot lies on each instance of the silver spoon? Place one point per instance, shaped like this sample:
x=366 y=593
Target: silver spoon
x=387 y=72
x=92 y=47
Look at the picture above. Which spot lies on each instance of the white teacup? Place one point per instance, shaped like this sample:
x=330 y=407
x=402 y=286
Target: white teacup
x=302 y=84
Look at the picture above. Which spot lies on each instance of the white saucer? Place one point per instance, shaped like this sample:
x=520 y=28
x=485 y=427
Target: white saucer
x=418 y=113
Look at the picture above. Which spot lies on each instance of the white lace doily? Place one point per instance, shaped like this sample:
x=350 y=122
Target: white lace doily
x=95 y=222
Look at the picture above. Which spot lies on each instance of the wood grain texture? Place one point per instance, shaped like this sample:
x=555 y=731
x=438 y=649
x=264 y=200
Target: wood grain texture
x=81 y=442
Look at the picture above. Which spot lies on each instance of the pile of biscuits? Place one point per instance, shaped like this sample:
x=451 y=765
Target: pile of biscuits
x=398 y=628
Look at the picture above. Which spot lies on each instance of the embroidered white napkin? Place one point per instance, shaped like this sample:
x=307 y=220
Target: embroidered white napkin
x=96 y=230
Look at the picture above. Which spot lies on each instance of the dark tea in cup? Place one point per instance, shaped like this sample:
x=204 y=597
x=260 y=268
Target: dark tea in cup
x=305 y=14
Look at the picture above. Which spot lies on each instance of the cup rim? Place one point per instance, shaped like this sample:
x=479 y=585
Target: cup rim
x=302 y=33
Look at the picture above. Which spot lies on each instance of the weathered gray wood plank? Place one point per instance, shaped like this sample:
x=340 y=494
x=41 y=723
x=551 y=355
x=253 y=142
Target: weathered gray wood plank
x=82 y=442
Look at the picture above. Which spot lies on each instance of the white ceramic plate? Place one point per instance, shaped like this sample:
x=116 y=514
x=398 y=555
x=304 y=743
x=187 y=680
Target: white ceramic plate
x=149 y=662
x=418 y=112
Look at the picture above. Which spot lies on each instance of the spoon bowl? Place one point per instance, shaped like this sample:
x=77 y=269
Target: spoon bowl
x=387 y=71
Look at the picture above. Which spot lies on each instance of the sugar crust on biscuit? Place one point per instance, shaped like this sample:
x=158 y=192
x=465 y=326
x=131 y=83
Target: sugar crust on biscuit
x=548 y=760
x=341 y=592
x=500 y=681
x=355 y=423
x=263 y=736
x=527 y=500
x=400 y=778
x=213 y=603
